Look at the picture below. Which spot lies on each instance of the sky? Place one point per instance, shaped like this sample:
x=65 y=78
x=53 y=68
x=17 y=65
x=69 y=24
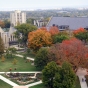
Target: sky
x=40 y=4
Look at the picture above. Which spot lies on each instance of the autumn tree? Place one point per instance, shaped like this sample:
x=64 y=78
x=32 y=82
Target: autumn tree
x=81 y=34
x=2 y=25
x=72 y=51
x=54 y=30
x=1 y=46
x=39 y=38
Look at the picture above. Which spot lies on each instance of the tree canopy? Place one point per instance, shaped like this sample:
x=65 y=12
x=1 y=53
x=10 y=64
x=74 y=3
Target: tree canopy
x=39 y=38
x=72 y=51
x=58 y=77
x=41 y=58
x=24 y=30
x=81 y=34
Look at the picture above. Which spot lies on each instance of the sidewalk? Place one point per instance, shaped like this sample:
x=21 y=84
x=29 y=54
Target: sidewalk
x=22 y=56
x=81 y=74
x=82 y=83
x=8 y=81
x=33 y=84
x=21 y=72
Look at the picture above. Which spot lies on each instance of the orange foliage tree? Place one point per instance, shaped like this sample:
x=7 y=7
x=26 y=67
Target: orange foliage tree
x=78 y=30
x=39 y=38
x=2 y=24
x=54 y=30
x=72 y=51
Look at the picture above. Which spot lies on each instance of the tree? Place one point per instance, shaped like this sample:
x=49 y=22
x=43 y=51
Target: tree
x=1 y=46
x=65 y=78
x=81 y=34
x=59 y=38
x=2 y=25
x=23 y=31
x=39 y=38
x=10 y=52
x=54 y=30
x=30 y=20
x=72 y=51
x=41 y=58
x=7 y=24
x=3 y=59
x=14 y=61
x=54 y=76
x=48 y=73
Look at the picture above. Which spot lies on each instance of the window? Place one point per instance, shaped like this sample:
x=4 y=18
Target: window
x=63 y=27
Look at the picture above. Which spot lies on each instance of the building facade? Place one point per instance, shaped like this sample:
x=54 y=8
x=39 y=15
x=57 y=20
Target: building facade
x=8 y=37
x=17 y=17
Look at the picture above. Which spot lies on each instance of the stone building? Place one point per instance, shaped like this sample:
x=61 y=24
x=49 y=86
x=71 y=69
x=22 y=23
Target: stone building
x=17 y=17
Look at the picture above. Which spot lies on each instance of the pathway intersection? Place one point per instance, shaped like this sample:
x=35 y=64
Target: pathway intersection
x=80 y=73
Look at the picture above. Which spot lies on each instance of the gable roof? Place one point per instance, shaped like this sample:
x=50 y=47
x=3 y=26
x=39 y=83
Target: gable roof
x=73 y=22
x=12 y=30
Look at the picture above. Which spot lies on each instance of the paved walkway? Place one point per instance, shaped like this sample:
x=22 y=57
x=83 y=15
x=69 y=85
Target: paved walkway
x=22 y=56
x=8 y=81
x=81 y=74
x=33 y=84
x=22 y=72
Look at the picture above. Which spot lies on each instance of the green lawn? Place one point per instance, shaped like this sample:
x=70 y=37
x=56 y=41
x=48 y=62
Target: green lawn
x=20 y=66
x=38 y=86
x=4 y=85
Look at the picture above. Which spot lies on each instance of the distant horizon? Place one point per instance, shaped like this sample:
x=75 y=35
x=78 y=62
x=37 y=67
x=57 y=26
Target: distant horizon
x=31 y=9
x=9 y=5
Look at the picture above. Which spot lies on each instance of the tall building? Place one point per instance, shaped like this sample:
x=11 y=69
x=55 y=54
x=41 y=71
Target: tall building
x=17 y=17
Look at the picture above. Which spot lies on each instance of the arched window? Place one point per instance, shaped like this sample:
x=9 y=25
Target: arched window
x=11 y=37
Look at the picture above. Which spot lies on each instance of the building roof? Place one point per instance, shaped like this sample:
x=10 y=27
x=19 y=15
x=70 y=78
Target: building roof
x=73 y=22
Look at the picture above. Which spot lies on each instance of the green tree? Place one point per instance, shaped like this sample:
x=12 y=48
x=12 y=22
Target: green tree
x=66 y=78
x=30 y=20
x=23 y=31
x=82 y=36
x=1 y=46
x=10 y=52
x=7 y=24
x=59 y=37
x=41 y=58
x=48 y=73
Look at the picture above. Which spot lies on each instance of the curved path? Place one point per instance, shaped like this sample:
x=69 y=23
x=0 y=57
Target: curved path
x=81 y=74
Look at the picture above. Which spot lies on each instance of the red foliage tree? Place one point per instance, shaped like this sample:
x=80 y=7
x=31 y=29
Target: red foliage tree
x=72 y=51
x=79 y=30
x=54 y=30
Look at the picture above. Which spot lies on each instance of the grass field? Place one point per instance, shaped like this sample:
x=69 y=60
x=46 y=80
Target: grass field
x=4 y=85
x=20 y=66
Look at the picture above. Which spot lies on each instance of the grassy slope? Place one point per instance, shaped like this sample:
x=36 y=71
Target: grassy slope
x=20 y=66
x=4 y=85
